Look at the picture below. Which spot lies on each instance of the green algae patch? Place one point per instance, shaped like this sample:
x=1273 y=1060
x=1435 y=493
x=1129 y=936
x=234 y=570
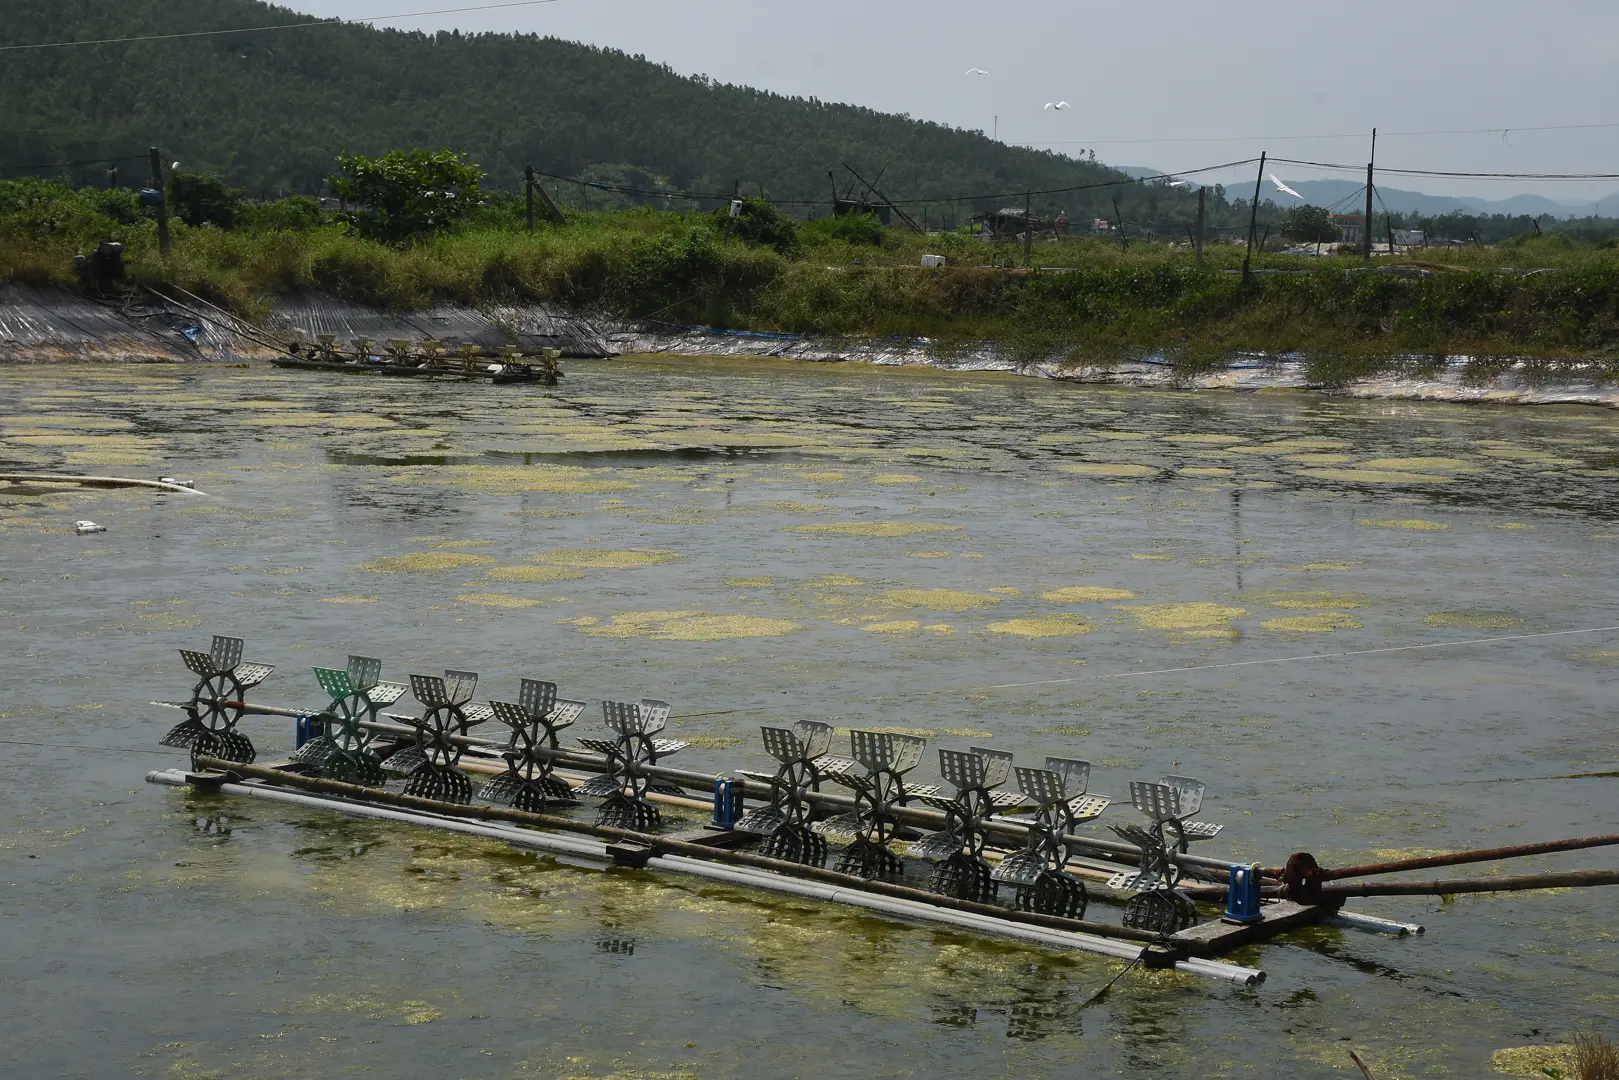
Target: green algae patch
x=532 y=575
x=1308 y=598
x=1122 y=436
x=822 y=477
x=1086 y=594
x=1535 y=1061
x=837 y=581
x=879 y=529
x=1047 y=626
x=424 y=562
x=1320 y=623
x=348 y=599
x=939 y=599
x=1120 y=470
x=594 y=559
x=689 y=626
x=1476 y=620
x=1209 y=470
x=1292 y=446
x=1409 y=524
x=1204 y=440
x=1153 y=556
x=895 y=478
x=497 y=600
x=1193 y=616
x=901 y=626
x=790 y=507
x=764 y=581
x=1325 y=567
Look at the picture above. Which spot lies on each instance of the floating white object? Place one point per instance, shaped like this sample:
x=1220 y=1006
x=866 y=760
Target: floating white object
x=82 y=527
x=496 y=369
x=933 y=260
x=176 y=481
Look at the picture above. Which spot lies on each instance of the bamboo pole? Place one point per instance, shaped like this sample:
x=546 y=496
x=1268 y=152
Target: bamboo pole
x=1571 y=879
x=1458 y=858
x=666 y=845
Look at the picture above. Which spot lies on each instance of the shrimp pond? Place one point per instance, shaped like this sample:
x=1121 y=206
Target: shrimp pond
x=1034 y=566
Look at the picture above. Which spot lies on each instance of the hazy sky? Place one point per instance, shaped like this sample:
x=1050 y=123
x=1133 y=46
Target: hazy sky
x=1171 y=85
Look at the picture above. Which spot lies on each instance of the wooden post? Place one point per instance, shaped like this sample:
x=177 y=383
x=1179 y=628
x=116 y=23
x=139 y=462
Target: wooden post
x=1202 y=198
x=1253 y=218
x=1118 y=216
x=528 y=193
x=162 y=204
x=1366 y=230
x=1028 y=230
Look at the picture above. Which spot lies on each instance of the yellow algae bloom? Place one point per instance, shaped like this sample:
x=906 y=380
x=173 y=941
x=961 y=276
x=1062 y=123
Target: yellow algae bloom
x=1007 y=590
x=874 y=528
x=902 y=626
x=516 y=479
x=1482 y=620
x=764 y=581
x=1320 y=623
x=348 y=599
x=1316 y=567
x=1210 y=440
x=462 y=544
x=1193 y=616
x=789 y=506
x=1122 y=436
x=422 y=562
x=1412 y=524
x=837 y=581
x=1420 y=464
x=895 y=478
x=1320 y=459
x=689 y=626
x=1207 y=471
x=940 y=628
x=1084 y=594
x=1308 y=599
x=823 y=477
x=532 y=575
x=927 y=554
x=1102 y=468
x=1291 y=446
x=1535 y=1061
x=1042 y=626
x=938 y=599
x=1156 y=556
x=497 y=600
x=594 y=559
x=1375 y=476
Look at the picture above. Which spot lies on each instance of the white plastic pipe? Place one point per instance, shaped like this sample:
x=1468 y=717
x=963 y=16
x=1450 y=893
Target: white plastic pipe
x=1354 y=920
x=736 y=875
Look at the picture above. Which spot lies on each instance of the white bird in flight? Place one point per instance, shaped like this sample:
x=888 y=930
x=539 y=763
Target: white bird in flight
x=976 y=71
x=1177 y=183
x=1058 y=105
x=1283 y=187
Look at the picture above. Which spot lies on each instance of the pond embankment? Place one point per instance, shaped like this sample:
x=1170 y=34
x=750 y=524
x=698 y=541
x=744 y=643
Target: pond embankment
x=47 y=324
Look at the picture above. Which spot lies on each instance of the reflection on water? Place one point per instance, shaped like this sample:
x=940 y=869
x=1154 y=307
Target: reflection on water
x=1059 y=569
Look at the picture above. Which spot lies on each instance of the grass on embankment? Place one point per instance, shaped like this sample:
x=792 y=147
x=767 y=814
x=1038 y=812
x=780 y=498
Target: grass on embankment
x=1111 y=304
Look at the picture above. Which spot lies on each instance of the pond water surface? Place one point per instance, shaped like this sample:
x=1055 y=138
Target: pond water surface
x=1040 y=567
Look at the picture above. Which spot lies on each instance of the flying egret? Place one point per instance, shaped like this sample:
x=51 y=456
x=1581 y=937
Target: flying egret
x=976 y=71
x=1283 y=187
x=1058 y=105
x=1177 y=183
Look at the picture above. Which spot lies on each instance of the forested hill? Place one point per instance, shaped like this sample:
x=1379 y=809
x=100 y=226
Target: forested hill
x=269 y=110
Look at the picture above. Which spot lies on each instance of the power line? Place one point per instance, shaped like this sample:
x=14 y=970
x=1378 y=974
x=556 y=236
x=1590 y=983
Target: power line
x=1307 y=138
x=73 y=164
x=1450 y=174
x=276 y=26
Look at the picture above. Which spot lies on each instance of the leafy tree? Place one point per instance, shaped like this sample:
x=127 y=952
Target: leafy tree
x=1309 y=225
x=406 y=194
x=200 y=199
x=760 y=223
x=851 y=229
x=295 y=213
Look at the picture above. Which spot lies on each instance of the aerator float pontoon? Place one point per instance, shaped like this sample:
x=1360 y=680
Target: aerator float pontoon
x=1000 y=861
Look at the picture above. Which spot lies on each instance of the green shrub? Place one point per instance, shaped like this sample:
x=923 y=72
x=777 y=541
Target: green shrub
x=198 y=199
x=406 y=194
x=850 y=228
x=759 y=223
x=296 y=213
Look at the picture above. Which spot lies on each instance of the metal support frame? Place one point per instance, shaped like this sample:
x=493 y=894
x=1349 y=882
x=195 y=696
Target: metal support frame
x=534 y=720
x=431 y=765
x=344 y=751
x=209 y=729
x=785 y=822
x=626 y=783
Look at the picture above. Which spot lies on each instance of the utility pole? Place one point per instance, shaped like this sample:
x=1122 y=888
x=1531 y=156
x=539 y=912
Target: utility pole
x=1118 y=216
x=1028 y=231
x=1202 y=197
x=528 y=194
x=112 y=176
x=1366 y=231
x=1253 y=218
x=162 y=204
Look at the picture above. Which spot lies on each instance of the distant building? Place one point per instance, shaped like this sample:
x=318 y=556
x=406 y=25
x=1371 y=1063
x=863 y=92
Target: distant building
x=1351 y=228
